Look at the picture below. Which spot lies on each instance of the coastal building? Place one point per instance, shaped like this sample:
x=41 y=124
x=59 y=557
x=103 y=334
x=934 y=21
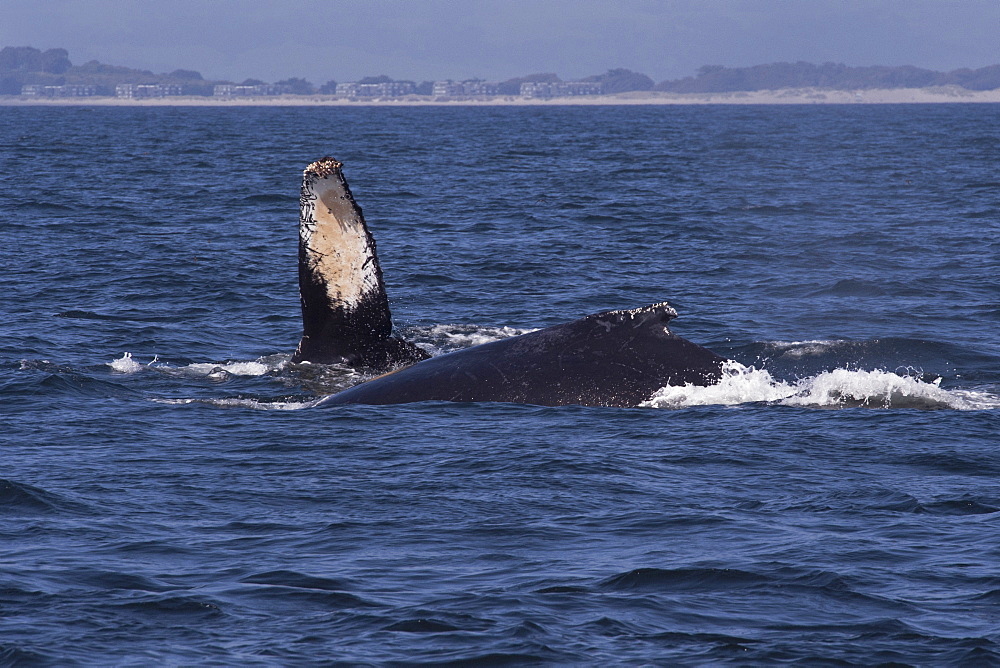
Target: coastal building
x=384 y=89
x=68 y=90
x=480 y=87
x=230 y=90
x=467 y=88
x=448 y=88
x=537 y=89
x=138 y=91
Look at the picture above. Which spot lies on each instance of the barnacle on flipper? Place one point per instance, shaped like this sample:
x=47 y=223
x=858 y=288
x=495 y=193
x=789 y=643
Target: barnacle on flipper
x=324 y=167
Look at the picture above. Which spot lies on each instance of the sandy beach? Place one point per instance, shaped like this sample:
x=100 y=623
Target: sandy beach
x=786 y=96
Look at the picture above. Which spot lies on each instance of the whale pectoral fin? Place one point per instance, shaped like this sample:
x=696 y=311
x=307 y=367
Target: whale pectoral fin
x=345 y=309
x=375 y=354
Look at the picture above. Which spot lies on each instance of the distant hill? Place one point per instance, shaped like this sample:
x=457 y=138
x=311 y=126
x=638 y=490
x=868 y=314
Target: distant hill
x=719 y=79
x=622 y=81
x=21 y=65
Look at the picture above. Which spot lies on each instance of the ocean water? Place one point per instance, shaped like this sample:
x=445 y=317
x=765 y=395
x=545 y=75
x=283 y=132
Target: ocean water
x=169 y=495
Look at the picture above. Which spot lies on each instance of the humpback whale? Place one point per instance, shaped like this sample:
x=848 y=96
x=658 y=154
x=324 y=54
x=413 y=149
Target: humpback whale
x=614 y=358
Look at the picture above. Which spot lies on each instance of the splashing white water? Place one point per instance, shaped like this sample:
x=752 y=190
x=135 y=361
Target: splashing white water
x=739 y=385
x=831 y=389
x=125 y=364
x=438 y=339
x=231 y=368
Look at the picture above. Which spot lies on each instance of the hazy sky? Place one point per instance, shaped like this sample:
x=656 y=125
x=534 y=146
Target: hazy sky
x=498 y=39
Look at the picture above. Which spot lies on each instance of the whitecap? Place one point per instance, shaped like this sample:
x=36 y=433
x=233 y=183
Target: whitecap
x=223 y=370
x=230 y=368
x=839 y=388
x=877 y=389
x=125 y=364
x=739 y=385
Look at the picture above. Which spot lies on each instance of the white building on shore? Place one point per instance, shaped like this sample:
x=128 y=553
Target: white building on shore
x=536 y=89
x=467 y=88
x=384 y=89
x=258 y=90
x=68 y=90
x=137 y=91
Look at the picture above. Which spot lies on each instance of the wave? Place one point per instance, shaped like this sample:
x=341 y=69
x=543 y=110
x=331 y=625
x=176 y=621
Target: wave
x=262 y=366
x=125 y=364
x=18 y=498
x=271 y=365
x=289 y=404
x=809 y=373
x=272 y=197
x=59 y=379
x=440 y=339
x=838 y=388
x=912 y=357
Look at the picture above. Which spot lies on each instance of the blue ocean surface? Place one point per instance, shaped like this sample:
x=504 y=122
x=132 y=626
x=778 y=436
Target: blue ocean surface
x=169 y=494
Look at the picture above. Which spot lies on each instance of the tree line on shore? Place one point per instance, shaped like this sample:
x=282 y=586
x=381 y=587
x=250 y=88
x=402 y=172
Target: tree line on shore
x=25 y=65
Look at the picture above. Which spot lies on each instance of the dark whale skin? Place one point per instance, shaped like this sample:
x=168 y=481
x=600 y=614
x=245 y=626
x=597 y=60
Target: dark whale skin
x=615 y=358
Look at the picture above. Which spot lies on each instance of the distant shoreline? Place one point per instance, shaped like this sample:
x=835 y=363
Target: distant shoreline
x=789 y=96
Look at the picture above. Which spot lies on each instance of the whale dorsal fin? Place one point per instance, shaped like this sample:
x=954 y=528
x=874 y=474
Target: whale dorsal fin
x=345 y=310
x=661 y=312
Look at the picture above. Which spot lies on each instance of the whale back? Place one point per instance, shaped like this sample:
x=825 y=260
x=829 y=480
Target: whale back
x=345 y=309
x=615 y=358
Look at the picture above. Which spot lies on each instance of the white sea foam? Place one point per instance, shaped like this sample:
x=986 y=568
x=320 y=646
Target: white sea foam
x=231 y=368
x=438 y=339
x=739 y=385
x=125 y=364
x=237 y=402
x=831 y=389
x=807 y=348
x=262 y=366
